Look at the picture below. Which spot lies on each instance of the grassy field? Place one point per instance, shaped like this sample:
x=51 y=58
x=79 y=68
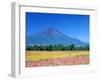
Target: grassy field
x=46 y=58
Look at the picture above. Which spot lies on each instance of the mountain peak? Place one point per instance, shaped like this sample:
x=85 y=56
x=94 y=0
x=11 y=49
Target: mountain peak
x=50 y=30
x=52 y=36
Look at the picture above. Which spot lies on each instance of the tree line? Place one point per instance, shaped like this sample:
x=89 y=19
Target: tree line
x=57 y=47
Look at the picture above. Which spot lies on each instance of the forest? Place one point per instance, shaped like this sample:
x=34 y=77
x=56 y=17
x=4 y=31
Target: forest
x=59 y=47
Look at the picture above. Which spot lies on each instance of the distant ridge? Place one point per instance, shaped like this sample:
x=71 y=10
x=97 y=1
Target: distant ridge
x=52 y=36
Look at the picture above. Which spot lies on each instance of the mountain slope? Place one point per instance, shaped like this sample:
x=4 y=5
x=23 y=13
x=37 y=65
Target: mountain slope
x=51 y=37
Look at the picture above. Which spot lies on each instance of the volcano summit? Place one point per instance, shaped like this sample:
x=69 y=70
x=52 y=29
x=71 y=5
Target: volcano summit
x=52 y=36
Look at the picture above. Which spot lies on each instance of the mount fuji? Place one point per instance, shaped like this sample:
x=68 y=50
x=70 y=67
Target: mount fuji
x=51 y=37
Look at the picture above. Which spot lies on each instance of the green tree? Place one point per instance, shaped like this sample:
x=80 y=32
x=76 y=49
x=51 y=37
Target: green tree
x=72 y=47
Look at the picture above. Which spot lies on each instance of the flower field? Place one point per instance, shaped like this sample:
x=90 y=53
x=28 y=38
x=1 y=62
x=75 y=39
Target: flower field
x=56 y=58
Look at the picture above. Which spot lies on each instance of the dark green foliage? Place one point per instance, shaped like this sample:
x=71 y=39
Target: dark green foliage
x=57 y=47
x=72 y=46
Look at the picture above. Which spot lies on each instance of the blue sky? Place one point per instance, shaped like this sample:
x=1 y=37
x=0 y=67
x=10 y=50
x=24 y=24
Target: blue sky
x=72 y=25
